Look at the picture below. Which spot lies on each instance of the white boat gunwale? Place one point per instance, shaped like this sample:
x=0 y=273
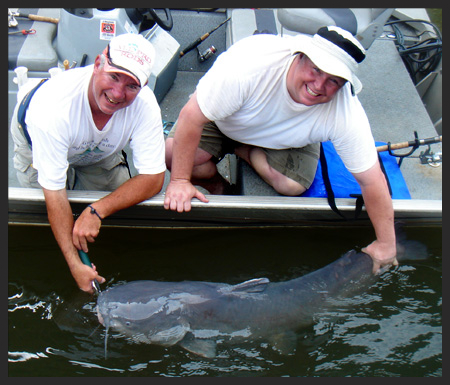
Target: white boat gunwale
x=28 y=206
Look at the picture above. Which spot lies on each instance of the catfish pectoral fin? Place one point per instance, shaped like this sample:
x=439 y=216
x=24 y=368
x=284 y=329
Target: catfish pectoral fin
x=202 y=347
x=171 y=336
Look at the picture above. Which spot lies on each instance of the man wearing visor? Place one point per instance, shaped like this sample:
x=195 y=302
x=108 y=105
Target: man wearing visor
x=271 y=100
x=73 y=135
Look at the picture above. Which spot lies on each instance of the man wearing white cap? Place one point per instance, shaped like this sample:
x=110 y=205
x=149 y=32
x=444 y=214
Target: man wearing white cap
x=73 y=135
x=271 y=100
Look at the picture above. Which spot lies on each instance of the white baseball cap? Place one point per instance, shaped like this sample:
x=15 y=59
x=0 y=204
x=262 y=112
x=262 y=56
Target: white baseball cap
x=132 y=55
x=335 y=51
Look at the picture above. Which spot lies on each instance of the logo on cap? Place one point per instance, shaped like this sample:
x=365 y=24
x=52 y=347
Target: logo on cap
x=131 y=54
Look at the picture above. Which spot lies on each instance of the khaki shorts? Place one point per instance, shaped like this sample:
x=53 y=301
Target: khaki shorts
x=106 y=175
x=298 y=164
x=95 y=177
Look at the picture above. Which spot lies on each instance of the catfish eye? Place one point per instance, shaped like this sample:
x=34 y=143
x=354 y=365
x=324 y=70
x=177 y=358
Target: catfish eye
x=128 y=323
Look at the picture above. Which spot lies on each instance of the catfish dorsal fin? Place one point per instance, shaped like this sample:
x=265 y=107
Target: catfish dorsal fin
x=256 y=285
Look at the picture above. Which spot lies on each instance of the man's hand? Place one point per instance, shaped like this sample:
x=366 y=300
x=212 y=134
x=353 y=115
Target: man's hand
x=84 y=275
x=383 y=255
x=179 y=194
x=86 y=229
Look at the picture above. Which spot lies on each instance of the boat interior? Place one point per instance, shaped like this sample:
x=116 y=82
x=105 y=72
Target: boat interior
x=400 y=105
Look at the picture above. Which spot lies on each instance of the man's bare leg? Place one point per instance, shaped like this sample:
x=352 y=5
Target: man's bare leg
x=204 y=172
x=257 y=159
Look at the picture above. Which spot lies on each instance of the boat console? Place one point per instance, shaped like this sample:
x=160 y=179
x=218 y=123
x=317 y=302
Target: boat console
x=81 y=34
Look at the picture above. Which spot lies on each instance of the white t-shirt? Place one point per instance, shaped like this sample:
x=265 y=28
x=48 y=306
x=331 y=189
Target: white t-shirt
x=245 y=94
x=59 y=121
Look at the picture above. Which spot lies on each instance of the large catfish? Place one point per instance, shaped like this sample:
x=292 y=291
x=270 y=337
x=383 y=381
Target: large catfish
x=198 y=315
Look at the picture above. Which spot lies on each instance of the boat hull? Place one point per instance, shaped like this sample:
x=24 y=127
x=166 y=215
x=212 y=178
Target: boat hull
x=27 y=206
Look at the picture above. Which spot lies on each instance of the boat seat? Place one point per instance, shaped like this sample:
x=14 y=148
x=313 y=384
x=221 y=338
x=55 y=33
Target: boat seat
x=364 y=23
x=36 y=51
x=246 y=21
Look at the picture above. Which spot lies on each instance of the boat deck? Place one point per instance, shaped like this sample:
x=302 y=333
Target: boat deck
x=393 y=106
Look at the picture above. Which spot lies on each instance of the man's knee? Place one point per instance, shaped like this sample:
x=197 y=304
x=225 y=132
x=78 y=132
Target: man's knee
x=280 y=182
x=290 y=187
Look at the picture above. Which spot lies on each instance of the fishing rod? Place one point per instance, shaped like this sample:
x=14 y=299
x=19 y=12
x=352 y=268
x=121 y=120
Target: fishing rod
x=85 y=259
x=12 y=22
x=191 y=46
x=426 y=157
x=412 y=143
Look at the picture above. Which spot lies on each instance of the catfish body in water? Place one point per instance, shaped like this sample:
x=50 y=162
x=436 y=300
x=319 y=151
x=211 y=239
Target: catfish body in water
x=196 y=315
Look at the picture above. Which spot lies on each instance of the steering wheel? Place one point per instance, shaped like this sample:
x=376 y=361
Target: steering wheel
x=164 y=24
x=139 y=15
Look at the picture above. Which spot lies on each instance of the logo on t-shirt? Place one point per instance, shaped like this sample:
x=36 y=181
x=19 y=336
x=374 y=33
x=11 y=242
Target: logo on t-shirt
x=91 y=152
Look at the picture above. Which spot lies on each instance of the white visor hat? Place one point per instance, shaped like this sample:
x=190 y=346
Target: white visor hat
x=335 y=51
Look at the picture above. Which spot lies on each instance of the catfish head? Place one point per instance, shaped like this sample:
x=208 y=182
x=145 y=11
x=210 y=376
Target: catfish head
x=143 y=322
x=145 y=318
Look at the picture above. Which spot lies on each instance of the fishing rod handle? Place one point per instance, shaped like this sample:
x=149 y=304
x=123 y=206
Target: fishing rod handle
x=420 y=142
x=85 y=259
x=191 y=46
x=39 y=18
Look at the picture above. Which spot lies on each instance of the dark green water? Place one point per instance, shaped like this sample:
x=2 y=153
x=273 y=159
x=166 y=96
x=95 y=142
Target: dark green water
x=393 y=328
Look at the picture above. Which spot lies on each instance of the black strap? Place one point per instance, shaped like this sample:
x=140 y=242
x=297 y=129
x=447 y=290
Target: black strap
x=327 y=183
x=23 y=110
x=125 y=157
x=359 y=203
x=330 y=194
